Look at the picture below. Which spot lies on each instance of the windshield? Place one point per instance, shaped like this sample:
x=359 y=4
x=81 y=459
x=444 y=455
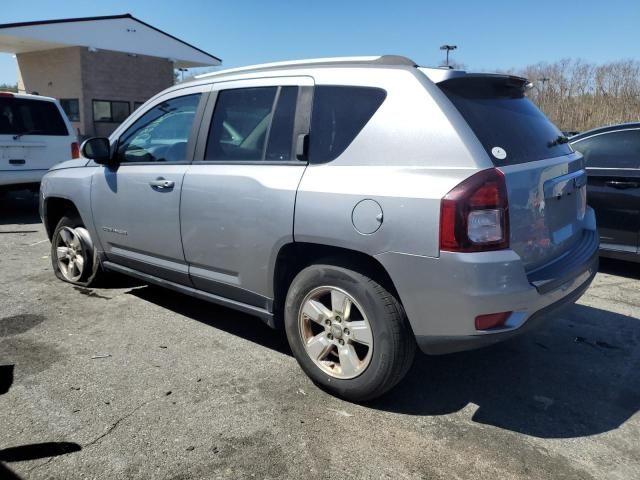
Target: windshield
x=509 y=126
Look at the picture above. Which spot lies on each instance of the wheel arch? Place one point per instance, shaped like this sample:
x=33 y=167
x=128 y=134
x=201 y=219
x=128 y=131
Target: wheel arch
x=54 y=209
x=295 y=256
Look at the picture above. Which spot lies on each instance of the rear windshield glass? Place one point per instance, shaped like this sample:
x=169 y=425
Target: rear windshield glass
x=509 y=126
x=19 y=116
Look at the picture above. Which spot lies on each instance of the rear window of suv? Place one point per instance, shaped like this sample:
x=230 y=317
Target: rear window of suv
x=509 y=126
x=20 y=116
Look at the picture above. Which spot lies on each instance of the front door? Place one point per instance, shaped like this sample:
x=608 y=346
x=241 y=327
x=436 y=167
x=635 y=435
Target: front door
x=239 y=195
x=136 y=206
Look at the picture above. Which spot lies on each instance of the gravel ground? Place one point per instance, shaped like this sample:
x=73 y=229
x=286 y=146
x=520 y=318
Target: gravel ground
x=140 y=382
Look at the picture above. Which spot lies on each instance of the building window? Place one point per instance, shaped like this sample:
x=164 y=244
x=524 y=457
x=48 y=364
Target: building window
x=110 y=111
x=71 y=107
x=137 y=105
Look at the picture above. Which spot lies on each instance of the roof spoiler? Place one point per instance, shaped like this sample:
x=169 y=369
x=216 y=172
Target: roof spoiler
x=486 y=85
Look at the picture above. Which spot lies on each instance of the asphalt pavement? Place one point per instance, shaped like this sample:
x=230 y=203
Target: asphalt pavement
x=139 y=382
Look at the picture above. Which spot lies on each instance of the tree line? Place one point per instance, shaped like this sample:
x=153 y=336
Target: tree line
x=5 y=87
x=578 y=95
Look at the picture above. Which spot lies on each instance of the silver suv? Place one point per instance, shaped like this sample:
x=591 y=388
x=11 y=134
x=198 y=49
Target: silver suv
x=366 y=205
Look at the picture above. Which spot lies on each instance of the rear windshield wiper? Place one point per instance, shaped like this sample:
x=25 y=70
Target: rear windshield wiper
x=559 y=140
x=26 y=132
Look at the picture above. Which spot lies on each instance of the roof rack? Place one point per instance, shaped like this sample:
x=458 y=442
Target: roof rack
x=390 y=60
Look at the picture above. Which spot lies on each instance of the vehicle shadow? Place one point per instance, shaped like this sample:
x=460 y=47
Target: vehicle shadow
x=577 y=376
x=620 y=268
x=6 y=378
x=19 y=207
x=237 y=323
x=33 y=451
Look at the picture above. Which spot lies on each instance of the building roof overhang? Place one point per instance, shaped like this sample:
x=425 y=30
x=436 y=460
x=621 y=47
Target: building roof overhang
x=120 y=33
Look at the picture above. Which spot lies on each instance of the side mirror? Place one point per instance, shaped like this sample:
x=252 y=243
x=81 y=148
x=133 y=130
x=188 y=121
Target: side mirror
x=97 y=149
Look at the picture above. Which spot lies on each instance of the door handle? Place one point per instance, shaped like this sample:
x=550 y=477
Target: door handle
x=162 y=183
x=621 y=185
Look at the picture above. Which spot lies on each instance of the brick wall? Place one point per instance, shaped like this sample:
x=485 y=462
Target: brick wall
x=76 y=72
x=52 y=73
x=119 y=76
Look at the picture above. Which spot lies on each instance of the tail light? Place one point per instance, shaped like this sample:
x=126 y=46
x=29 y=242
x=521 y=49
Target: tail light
x=6 y=94
x=75 y=150
x=474 y=216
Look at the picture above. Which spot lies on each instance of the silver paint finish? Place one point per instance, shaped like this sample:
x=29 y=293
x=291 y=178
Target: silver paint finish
x=235 y=219
x=367 y=216
x=72 y=184
x=225 y=223
x=442 y=296
x=416 y=148
x=123 y=200
x=544 y=208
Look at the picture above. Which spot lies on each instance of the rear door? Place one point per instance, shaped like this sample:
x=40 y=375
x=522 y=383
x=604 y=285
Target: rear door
x=546 y=181
x=239 y=195
x=33 y=134
x=613 y=166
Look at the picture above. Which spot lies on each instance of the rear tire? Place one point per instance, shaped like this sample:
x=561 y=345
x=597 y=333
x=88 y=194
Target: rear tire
x=73 y=257
x=349 y=334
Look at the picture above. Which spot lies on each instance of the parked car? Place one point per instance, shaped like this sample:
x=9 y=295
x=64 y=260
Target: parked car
x=34 y=135
x=612 y=157
x=365 y=205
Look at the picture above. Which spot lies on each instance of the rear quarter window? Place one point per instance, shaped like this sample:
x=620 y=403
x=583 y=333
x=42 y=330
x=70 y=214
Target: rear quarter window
x=509 y=126
x=339 y=114
x=30 y=117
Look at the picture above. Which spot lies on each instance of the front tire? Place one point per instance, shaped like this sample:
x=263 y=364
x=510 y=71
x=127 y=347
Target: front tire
x=348 y=332
x=73 y=257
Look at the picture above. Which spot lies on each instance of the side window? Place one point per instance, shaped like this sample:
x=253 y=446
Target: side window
x=110 y=111
x=161 y=134
x=252 y=124
x=339 y=114
x=611 y=150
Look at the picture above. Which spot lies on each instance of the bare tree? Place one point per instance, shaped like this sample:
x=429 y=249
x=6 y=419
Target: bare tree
x=577 y=95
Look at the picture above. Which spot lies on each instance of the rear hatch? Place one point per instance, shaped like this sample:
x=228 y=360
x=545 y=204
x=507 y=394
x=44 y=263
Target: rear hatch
x=33 y=134
x=546 y=180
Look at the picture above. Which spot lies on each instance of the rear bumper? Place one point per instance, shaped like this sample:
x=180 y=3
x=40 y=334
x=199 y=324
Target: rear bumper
x=442 y=345
x=443 y=296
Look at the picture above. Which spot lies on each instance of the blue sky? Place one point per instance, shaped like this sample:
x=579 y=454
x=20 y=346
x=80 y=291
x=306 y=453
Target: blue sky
x=490 y=34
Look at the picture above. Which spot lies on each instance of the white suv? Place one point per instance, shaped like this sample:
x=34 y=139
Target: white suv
x=34 y=135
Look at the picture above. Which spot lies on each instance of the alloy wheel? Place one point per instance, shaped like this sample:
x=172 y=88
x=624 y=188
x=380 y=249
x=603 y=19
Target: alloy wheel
x=69 y=254
x=335 y=332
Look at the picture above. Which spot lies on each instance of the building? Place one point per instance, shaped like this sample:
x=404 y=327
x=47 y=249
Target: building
x=100 y=68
